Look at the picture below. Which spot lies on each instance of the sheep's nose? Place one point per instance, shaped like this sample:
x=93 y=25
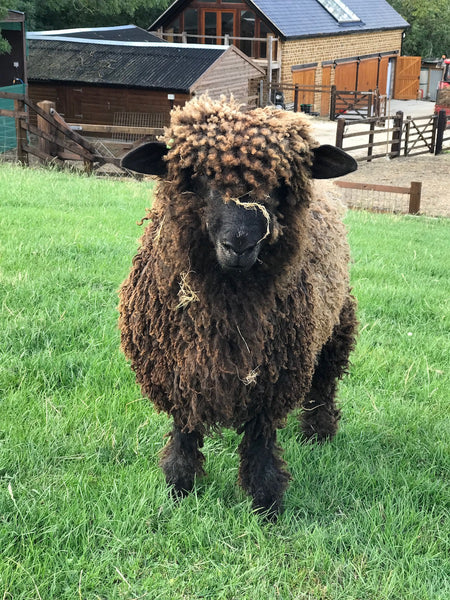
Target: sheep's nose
x=237 y=247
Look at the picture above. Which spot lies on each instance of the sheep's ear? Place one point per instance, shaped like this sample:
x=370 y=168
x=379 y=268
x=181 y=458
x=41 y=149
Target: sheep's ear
x=148 y=159
x=330 y=161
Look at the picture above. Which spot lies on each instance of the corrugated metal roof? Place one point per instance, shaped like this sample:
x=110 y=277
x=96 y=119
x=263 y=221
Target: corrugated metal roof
x=151 y=66
x=292 y=19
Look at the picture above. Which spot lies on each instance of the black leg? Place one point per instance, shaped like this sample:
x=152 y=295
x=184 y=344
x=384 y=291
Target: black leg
x=320 y=416
x=182 y=461
x=262 y=473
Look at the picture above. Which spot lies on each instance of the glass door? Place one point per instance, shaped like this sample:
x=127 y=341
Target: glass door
x=210 y=27
x=217 y=24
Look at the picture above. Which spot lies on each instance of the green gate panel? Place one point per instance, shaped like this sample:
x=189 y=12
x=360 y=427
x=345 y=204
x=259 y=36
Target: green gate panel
x=7 y=124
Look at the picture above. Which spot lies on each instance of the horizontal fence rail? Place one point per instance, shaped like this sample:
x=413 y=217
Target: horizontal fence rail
x=414 y=191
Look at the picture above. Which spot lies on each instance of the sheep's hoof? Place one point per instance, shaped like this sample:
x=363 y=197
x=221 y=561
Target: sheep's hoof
x=269 y=512
x=179 y=490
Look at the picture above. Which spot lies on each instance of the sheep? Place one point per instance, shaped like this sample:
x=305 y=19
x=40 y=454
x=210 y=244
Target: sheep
x=237 y=308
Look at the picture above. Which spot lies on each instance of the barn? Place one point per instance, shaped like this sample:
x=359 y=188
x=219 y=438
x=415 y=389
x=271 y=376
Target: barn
x=353 y=44
x=131 y=82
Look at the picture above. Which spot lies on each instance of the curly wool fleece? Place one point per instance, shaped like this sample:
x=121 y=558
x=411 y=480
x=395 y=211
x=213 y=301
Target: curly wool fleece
x=241 y=151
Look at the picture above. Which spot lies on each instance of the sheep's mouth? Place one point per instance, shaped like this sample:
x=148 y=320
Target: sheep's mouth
x=233 y=262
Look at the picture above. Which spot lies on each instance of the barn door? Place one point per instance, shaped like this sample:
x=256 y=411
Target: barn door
x=367 y=75
x=345 y=76
x=383 y=75
x=325 y=100
x=302 y=78
x=407 y=77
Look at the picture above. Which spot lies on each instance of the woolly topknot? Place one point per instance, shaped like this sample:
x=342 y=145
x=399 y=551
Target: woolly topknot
x=244 y=151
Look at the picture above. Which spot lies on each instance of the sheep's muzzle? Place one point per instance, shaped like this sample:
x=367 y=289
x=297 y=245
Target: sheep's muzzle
x=237 y=230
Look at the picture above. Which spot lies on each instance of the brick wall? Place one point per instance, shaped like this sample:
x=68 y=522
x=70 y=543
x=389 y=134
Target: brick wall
x=297 y=52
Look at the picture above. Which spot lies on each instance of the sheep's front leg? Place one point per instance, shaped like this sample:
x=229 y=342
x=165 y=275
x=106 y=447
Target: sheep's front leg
x=262 y=473
x=181 y=460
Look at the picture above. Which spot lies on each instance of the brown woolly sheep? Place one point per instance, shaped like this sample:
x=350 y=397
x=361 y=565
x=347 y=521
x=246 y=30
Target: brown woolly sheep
x=237 y=308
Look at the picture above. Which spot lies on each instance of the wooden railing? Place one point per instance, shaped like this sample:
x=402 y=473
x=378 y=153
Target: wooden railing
x=43 y=133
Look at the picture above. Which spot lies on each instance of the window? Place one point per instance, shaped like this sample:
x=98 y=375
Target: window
x=191 y=24
x=339 y=11
x=264 y=31
x=248 y=21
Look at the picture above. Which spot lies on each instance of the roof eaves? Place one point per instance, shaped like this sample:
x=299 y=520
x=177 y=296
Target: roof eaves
x=344 y=32
x=77 y=82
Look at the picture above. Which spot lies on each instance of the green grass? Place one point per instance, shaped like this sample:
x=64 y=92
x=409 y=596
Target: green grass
x=84 y=511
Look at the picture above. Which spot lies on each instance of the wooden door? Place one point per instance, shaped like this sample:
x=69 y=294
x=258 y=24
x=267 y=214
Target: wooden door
x=217 y=23
x=326 y=96
x=305 y=77
x=345 y=76
x=407 y=77
x=367 y=75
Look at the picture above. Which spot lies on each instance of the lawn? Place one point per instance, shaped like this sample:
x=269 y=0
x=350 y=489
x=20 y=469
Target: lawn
x=84 y=511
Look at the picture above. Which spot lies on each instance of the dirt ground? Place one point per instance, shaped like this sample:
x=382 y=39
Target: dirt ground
x=432 y=171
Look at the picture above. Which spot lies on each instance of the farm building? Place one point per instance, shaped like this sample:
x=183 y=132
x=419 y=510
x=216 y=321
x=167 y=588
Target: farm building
x=114 y=81
x=353 y=44
x=13 y=72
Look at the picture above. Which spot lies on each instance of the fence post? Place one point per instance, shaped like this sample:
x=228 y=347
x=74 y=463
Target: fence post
x=48 y=148
x=441 y=125
x=333 y=103
x=414 y=197
x=21 y=134
x=340 y=132
x=397 y=135
x=371 y=136
x=296 y=98
x=407 y=130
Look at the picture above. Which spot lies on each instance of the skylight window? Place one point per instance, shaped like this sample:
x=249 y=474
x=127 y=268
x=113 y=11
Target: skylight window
x=339 y=11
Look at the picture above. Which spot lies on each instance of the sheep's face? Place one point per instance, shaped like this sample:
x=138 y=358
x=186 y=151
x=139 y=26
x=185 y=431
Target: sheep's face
x=237 y=228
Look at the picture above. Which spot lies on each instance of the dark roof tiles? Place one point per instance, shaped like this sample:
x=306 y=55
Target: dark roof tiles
x=305 y=18
x=293 y=19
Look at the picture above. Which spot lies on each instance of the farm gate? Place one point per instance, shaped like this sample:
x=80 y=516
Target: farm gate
x=327 y=100
x=393 y=136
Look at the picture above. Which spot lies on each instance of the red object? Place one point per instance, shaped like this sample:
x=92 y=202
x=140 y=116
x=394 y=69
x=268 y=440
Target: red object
x=443 y=100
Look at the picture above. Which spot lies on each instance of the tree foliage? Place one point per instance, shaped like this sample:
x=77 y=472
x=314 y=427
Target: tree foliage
x=61 y=14
x=429 y=34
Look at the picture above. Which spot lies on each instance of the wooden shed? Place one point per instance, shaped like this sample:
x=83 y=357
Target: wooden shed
x=115 y=82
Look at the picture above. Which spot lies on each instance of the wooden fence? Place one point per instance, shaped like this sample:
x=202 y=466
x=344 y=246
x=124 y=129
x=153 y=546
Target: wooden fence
x=52 y=140
x=414 y=191
x=393 y=136
x=326 y=100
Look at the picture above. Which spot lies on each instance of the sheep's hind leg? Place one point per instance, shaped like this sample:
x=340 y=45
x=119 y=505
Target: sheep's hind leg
x=182 y=461
x=320 y=416
x=262 y=473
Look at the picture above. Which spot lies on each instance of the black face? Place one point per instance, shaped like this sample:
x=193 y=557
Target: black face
x=237 y=228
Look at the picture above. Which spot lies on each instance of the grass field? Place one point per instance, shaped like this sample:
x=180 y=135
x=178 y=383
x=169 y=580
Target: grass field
x=84 y=512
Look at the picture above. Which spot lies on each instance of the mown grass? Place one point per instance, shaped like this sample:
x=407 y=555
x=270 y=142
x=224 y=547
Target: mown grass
x=84 y=511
